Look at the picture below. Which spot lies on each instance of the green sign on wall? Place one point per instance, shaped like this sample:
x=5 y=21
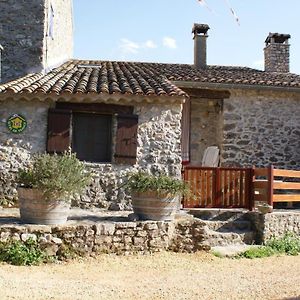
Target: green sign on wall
x=16 y=123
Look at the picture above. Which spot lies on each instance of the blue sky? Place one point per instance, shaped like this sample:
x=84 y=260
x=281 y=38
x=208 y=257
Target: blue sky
x=160 y=30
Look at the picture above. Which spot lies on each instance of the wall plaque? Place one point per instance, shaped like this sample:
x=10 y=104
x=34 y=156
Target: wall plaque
x=16 y=123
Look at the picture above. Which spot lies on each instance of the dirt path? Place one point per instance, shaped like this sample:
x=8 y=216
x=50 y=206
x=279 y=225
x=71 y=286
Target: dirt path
x=160 y=276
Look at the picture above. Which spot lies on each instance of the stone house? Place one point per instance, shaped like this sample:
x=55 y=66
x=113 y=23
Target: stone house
x=120 y=116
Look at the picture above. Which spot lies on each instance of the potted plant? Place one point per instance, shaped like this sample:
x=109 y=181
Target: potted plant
x=155 y=197
x=46 y=187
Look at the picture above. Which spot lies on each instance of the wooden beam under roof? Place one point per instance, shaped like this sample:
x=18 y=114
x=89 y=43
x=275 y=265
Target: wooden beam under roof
x=207 y=93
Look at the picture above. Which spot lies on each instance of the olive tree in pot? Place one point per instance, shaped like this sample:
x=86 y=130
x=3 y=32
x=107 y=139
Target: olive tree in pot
x=155 y=197
x=46 y=187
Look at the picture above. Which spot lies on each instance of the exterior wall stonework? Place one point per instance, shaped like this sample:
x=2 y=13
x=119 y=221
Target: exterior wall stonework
x=112 y=237
x=261 y=128
x=275 y=224
x=159 y=136
x=206 y=127
x=23 y=50
x=24 y=26
x=15 y=149
x=158 y=150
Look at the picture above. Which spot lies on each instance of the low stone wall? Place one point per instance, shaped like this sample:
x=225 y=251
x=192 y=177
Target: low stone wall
x=275 y=224
x=112 y=237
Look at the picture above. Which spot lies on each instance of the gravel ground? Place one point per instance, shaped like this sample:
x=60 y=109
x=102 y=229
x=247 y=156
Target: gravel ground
x=159 y=276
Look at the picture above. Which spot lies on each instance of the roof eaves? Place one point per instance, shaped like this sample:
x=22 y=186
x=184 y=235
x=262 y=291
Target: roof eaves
x=92 y=97
x=194 y=84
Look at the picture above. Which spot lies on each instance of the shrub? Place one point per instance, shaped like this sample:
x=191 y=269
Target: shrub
x=142 y=182
x=258 y=252
x=57 y=176
x=288 y=244
x=21 y=253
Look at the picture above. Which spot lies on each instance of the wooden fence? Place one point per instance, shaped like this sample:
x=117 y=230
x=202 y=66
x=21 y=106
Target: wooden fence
x=239 y=187
x=218 y=187
x=276 y=185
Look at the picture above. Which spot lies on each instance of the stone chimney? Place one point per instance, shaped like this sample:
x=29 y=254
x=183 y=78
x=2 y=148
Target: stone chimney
x=277 y=53
x=200 y=36
x=1 y=49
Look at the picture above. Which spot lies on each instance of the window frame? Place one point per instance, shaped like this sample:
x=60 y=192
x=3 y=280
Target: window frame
x=124 y=129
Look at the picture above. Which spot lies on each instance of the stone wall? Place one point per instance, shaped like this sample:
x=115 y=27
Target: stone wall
x=261 y=128
x=23 y=29
x=206 y=127
x=111 y=237
x=159 y=137
x=22 y=34
x=275 y=224
x=158 y=151
x=15 y=149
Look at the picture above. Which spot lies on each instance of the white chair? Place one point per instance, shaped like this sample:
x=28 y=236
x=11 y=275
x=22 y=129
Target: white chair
x=211 y=157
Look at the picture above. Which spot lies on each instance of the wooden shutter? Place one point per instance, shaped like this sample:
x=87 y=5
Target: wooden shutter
x=126 y=139
x=59 y=130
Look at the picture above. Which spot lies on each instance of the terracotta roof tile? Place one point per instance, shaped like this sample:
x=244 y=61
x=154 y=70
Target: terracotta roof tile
x=225 y=74
x=147 y=79
x=84 y=77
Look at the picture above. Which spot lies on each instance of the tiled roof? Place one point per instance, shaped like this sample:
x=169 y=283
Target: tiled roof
x=146 y=79
x=95 y=77
x=225 y=75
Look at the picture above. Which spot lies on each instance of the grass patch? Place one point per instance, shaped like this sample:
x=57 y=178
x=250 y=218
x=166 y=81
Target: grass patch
x=258 y=252
x=289 y=244
x=217 y=254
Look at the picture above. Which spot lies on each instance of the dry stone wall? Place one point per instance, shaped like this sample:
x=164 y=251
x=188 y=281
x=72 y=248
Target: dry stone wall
x=261 y=128
x=275 y=224
x=111 y=237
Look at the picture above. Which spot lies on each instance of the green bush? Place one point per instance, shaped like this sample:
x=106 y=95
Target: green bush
x=258 y=252
x=21 y=253
x=57 y=176
x=142 y=182
x=288 y=244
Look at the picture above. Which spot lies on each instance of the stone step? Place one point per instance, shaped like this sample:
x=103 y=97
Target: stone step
x=237 y=237
x=225 y=226
x=215 y=214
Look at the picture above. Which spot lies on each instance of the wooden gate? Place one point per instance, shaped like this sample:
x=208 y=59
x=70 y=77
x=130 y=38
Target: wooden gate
x=218 y=187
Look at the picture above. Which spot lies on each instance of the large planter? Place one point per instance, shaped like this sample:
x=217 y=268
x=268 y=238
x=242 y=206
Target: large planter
x=153 y=206
x=35 y=209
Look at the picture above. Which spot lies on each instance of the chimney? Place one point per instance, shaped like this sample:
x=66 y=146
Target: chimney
x=200 y=36
x=277 y=53
x=1 y=49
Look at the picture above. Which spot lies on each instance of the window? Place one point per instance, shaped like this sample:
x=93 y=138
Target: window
x=90 y=132
x=91 y=139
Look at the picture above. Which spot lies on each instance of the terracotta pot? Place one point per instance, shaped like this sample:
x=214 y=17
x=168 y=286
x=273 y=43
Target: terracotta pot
x=153 y=206
x=264 y=209
x=35 y=209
